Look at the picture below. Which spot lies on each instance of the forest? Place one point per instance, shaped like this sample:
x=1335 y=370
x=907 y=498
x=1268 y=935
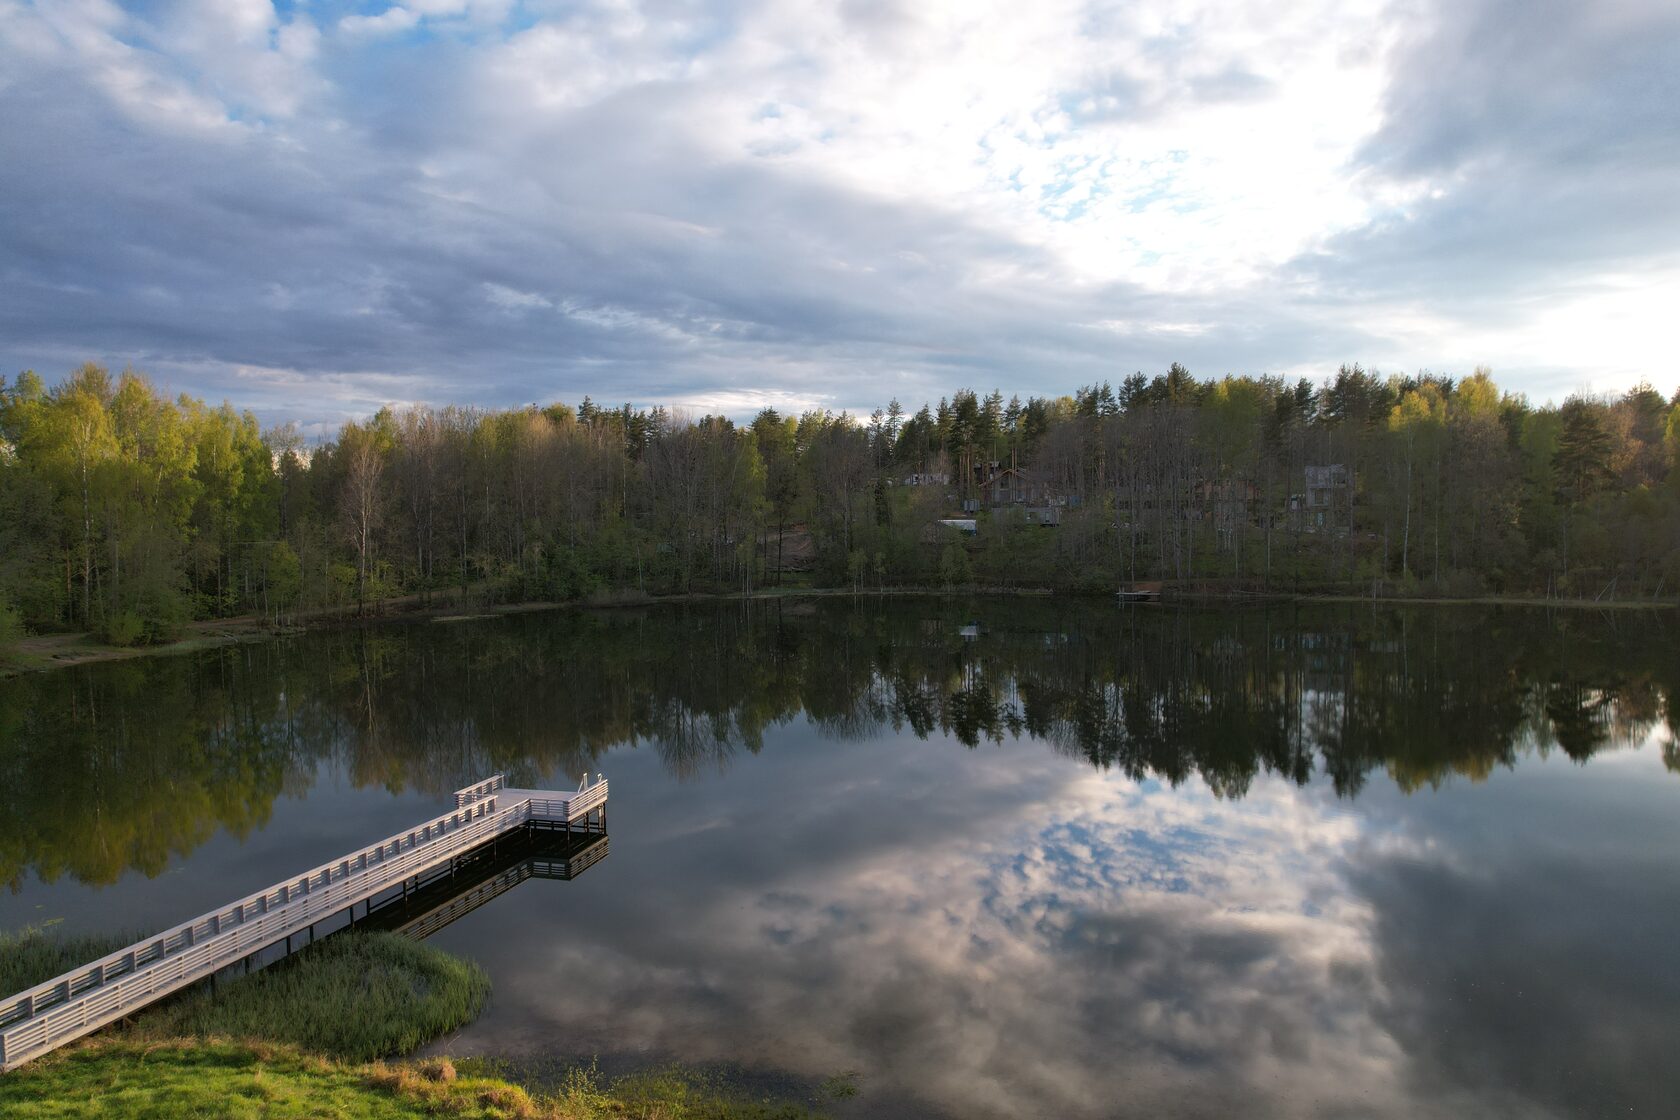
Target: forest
x=127 y=514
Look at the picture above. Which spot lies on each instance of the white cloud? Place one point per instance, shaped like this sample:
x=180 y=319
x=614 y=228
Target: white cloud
x=392 y=20
x=888 y=198
x=512 y=299
x=1598 y=334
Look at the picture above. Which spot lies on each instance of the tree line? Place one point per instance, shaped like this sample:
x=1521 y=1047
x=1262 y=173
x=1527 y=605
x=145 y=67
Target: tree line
x=128 y=513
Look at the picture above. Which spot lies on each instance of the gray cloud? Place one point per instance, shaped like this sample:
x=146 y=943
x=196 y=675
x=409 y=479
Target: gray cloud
x=386 y=221
x=1551 y=132
x=1547 y=84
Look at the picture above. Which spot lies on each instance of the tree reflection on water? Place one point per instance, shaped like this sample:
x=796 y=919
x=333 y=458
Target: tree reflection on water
x=126 y=765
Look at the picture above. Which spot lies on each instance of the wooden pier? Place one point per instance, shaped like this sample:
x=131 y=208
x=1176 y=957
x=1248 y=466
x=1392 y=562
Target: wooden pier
x=81 y=1001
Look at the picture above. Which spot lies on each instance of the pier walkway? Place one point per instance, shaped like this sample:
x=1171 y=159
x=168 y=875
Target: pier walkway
x=81 y=1001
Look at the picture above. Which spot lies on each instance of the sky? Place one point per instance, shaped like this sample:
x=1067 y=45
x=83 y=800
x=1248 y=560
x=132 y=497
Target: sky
x=313 y=209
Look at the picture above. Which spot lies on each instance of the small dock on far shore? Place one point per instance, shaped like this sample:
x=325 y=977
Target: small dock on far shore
x=75 y=1004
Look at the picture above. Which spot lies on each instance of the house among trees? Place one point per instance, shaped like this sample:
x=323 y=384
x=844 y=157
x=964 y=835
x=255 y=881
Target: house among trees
x=1328 y=496
x=1028 y=492
x=1230 y=499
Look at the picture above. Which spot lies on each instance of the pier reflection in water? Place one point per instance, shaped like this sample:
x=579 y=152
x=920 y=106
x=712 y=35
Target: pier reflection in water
x=486 y=874
x=1290 y=861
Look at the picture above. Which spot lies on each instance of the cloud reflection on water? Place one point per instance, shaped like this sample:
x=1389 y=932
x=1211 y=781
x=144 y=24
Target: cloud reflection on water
x=1031 y=939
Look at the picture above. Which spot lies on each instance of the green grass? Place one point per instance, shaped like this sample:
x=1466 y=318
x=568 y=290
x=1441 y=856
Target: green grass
x=680 y=1095
x=124 y=1079
x=354 y=996
x=670 y=1093
x=131 y=1080
x=33 y=955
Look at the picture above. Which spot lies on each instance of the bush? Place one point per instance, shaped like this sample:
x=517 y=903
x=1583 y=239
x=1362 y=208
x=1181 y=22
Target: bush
x=341 y=579
x=163 y=612
x=283 y=579
x=152 y=611
x=857 y=565
x=954 y=569
x=1461 y=585
x=11 y=627
x=123 y=628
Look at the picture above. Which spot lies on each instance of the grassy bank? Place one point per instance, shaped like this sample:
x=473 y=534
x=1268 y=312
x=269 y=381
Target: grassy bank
x=302 y=1039
x=121 y=1079
x=57 y=651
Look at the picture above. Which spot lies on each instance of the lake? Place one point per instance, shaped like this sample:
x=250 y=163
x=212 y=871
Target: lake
x=979 y=858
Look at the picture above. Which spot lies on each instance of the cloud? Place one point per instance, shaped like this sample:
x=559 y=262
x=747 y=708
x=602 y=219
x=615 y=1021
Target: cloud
x=1545 y=84
x=1530 y=150
x=512 y=299
x=392 y=20
x=841 y=204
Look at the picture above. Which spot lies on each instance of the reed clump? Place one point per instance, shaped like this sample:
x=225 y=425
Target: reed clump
x=355 y=996
x=34 y=954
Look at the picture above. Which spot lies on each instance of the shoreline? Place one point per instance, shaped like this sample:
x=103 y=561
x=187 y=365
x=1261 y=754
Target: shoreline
x=44 y=652
x=299 y=1036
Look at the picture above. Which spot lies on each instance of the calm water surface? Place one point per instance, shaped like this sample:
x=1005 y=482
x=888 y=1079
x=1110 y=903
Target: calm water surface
x=993 y=859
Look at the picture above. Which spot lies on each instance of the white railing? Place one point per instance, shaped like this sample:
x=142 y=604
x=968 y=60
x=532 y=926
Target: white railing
x=68 y=1006
x=480 y=791
x=574 y=806
x=71 y=1005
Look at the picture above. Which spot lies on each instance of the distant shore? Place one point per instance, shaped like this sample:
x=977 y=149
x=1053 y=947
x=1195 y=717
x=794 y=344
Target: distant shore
x=42 y=652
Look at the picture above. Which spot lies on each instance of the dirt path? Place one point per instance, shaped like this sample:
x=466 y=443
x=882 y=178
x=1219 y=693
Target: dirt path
x=53 y=651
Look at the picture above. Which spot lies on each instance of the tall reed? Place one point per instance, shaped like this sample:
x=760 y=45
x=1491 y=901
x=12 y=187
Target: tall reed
x=356 y=996
x=33 y=955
